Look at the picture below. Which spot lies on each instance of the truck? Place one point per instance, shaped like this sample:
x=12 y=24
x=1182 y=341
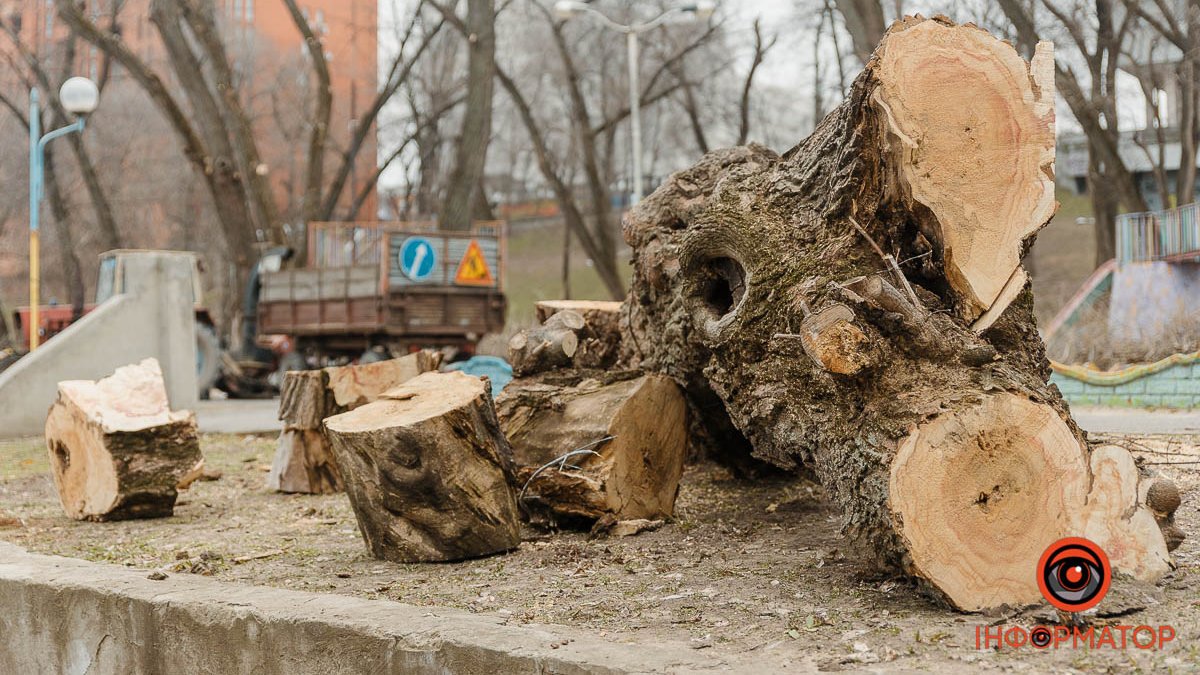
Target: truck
x=382 y=288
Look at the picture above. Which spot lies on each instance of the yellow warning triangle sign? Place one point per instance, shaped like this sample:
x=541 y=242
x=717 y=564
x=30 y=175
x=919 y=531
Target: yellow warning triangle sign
x=473 y=270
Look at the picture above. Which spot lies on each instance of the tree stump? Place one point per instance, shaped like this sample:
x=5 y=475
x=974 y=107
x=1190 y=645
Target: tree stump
x=428 y=471
x=627 y=439
x=117 y=450
x=303 y=461
x=925 y=409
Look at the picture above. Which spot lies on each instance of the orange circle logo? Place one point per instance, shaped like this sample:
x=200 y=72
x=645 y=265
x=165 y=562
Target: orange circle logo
x=1074 y=574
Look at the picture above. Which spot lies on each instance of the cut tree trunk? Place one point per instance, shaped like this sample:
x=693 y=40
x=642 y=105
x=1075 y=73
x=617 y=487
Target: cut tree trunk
x=303 y=460
x=589 y=446
x=910 y=205
x=428 y=471
x=600 y=337
x=117 y=450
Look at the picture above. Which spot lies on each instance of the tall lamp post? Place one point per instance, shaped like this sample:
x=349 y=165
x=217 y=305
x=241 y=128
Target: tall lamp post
x=702 y=11
x=79 y=96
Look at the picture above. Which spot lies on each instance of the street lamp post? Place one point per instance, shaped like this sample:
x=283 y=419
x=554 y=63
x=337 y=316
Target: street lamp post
x=79 y=96
x=565 y=9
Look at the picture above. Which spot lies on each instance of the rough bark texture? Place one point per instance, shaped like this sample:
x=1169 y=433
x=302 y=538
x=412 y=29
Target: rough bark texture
x=627 y=438
x=428 y=471
x=117 y=450
x=303 y=460
x=909 y=205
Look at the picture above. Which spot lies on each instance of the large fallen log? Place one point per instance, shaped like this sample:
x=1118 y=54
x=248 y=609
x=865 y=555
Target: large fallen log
x=428 y=471
x=303 y=461
x=117 y=450
x=587 y=445
x=918 y=394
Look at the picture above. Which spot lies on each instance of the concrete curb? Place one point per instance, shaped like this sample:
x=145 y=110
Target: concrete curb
x=71 y=616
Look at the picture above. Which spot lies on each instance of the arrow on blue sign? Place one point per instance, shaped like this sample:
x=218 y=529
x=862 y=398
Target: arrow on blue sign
x=417 y=258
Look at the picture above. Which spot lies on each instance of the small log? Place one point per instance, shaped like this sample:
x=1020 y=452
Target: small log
x=831 y=339
x=303 y=461
x=117 y=450
x=551 y=345
x=633 y=474
x=600 y=339
x=428 y=472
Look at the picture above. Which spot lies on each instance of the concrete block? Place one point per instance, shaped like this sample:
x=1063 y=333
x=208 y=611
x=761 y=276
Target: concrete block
x=1118 y=401
x=1067 y=385
x=153 y=318
x=59 y=615
x=1160 y=385
x=1180 y=402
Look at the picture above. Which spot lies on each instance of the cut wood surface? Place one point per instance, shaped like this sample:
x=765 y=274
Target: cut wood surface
x=428 y=471
x=970 y=130
x=936 y=432
x=631 y=438
x=303 y=461
x=352 y=386
x=117 y=450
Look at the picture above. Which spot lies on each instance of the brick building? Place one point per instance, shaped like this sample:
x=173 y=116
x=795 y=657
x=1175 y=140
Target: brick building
x=269 y=56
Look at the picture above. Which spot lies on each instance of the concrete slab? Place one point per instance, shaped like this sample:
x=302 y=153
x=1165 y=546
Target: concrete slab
x=152 y=318
x=60 y=615
x=238 y=416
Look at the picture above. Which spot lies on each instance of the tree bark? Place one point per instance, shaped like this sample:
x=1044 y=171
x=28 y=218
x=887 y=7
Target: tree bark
x=473 y=139
x=117 y=450
x=628 y=438
x=951 y=456
x=428 y=471
x=303 y=461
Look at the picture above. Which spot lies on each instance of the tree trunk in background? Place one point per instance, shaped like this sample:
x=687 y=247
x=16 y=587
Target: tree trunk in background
x=68 y=251
x=471 y=149
x=865 y=23
x=929 y=420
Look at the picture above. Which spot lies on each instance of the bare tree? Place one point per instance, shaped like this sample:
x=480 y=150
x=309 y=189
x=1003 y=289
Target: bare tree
x=1111 y=183
x=865 y=23
x=471 y=148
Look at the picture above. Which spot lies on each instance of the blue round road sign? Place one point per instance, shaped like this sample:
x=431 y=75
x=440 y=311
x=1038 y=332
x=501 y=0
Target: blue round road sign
x=417 y=258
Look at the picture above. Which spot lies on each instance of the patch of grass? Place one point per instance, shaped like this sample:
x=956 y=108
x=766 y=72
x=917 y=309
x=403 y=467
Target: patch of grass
x=535 y=269
x=23 y=457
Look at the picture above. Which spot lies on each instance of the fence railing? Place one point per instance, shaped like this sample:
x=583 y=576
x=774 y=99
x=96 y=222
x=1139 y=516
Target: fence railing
x=1170 y=234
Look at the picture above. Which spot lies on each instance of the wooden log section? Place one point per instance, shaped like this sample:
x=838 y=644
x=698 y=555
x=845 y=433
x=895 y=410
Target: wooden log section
x=545 y=347
x=117 y=450
x=902 y=216
x=631 y=435
x=600 y=337
x=428 y=471
x=303 y=460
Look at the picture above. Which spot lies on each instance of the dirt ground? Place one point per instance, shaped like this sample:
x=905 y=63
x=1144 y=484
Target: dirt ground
x=750 y=568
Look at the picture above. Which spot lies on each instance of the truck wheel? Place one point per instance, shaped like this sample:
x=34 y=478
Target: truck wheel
x=208 y=358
